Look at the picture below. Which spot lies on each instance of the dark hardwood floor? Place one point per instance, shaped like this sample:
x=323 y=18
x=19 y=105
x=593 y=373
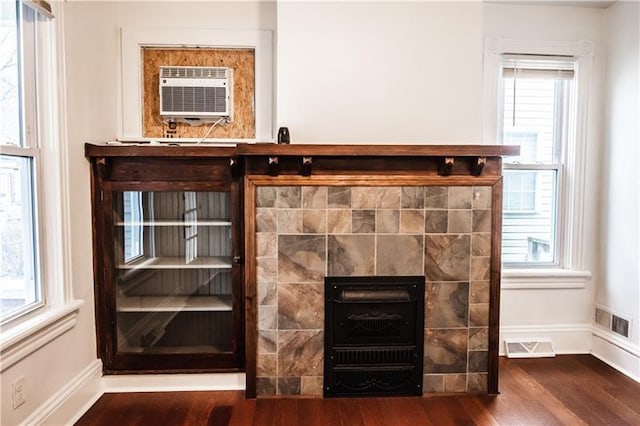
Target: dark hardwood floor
x=566 y=390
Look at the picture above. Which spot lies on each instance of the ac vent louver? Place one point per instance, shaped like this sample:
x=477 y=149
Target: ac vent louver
x=193 y=94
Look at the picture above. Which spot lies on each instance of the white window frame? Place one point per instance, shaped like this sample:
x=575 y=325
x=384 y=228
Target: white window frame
x=58 y=313
x=571 y=198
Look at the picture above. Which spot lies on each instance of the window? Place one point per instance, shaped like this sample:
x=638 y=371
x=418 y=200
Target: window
x=20 y=289
x=535 y=114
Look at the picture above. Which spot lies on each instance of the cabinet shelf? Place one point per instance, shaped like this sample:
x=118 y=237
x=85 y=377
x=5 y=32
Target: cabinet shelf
x=169 y=222
x=174 y=303
x=200 y=349
x=205 y=262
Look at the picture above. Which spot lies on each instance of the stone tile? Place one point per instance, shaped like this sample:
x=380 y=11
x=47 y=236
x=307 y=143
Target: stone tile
x=314 y=221
x=314 y=197
x=363 y=221
x=301 y=306
x=266 y=386
x=266 y=196
x=436 y=197
x=351 y=255
x=364 y=197
x=266 y=220
x=339 y=221
x=481 y=197
x=389 y=198
x=455 y=383
x=266 y=244
x=300 y=353
x=412 y=197
x=312 y=385
x=289 y=221
x=266 y=365
x=267 y=293
x=460 y=197
x=267 y=317
x=477 y=382
x=479 y=339
x=399 y=255
x=446 y=305
x=301 y=258
x=478 y=361
x=481 y=221
x=459 y=221
x=289 y=197
x=267 y=341
x=433 y=383
x=266 y=269
x=388 y=221
x=447 y=257
x=339 y=196
x=479 y=292
x=436 y=221
x=445 y=351
x=412 y=221
x=480 y=268
x=289 y=386
x=481 y=244
x=479 y=315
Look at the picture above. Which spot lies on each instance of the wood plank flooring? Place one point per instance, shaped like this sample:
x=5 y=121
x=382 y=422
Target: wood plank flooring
x=566 y=390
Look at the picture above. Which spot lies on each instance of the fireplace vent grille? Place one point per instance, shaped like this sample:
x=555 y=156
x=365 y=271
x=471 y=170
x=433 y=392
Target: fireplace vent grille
x=374 y=336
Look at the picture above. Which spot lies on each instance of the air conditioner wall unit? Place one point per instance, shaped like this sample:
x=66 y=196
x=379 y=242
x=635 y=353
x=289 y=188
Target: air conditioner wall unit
x=196 y=94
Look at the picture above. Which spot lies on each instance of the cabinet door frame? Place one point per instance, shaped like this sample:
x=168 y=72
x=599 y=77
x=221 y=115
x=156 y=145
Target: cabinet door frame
x=104 y=188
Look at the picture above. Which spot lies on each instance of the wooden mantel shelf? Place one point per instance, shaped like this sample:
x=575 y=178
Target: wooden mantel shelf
x=271 y=149
x=262 y=149
x=319 y=159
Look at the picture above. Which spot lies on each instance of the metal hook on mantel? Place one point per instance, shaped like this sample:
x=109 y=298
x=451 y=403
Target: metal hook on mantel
x=477 y=165
x=446 y=166
x=274 y=166
x=306 y=166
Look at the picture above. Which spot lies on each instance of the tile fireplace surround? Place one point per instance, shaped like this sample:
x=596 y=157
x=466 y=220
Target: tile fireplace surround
x=361 y=221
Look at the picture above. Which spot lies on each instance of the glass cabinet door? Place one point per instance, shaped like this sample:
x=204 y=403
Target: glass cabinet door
x=173 y=263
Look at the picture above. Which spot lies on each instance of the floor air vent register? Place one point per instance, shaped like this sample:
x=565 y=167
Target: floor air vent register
x=374 y=336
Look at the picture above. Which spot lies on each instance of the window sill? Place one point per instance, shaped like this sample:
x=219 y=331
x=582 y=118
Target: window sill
x=530 y=279
x=22 y=339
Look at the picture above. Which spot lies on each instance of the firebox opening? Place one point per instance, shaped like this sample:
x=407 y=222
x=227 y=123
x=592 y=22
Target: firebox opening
x=374 y=336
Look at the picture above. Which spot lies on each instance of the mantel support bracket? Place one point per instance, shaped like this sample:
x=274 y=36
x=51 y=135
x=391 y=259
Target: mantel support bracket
x=274 y=166
x=306 y=166
x=446 y=166
x=477 y=165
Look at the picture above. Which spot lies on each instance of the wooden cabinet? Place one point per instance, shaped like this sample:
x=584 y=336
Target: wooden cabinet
x=168 y=255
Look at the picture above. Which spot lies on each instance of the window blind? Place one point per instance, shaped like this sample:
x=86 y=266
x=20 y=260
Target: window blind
x=41 y=6
x=537 y=66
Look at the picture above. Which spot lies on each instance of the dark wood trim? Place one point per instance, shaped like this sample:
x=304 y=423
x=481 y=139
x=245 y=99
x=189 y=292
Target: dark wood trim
x=370 y=180
x=494 y=286
x=164 y=150
x=250 y=289
x=310 y=150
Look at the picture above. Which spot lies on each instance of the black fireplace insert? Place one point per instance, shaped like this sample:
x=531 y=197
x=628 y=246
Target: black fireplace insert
x=374 y=336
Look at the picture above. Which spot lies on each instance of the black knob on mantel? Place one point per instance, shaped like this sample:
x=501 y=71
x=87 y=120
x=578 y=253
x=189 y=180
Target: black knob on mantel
x=283 y=136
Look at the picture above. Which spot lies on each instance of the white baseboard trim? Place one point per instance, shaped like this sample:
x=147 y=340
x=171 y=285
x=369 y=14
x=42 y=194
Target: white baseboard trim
x=617 y=353
x=173 y=382
x=566 y=338
x=67 y=405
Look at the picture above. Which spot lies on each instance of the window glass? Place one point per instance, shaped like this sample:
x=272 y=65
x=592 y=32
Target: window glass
x=534 y=116
x=9 y=75
x=20 y=289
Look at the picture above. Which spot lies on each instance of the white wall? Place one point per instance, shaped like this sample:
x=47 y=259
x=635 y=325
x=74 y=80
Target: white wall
x=563 y=314
x=619 y=289
x=380 y=72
